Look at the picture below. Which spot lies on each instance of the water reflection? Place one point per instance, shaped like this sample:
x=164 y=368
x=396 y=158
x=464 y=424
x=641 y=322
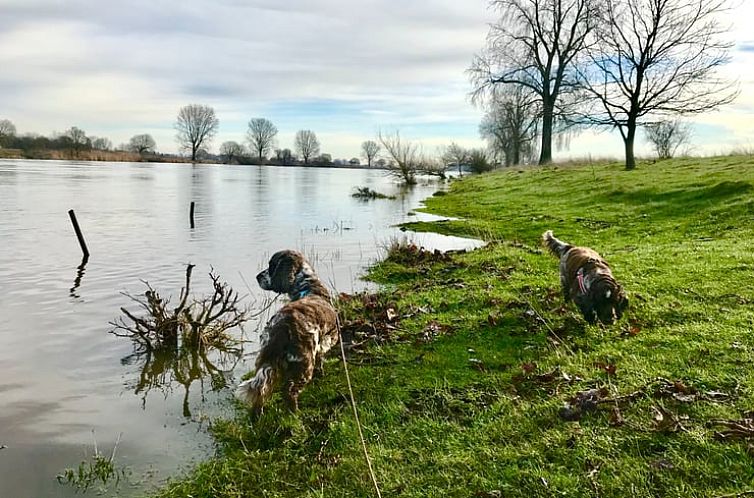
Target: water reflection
x=80 y=270
x=165 y=369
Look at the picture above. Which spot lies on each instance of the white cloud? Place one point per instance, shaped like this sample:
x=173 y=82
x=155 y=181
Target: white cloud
x=117 y=69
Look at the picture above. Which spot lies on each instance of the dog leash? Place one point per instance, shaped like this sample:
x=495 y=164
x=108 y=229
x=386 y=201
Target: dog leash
x=355 y=411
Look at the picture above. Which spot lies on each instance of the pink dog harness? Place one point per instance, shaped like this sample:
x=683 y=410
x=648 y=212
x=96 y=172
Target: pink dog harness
x=580 y=280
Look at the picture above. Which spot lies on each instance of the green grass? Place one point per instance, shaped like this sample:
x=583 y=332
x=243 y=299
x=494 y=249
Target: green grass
x=462 y=393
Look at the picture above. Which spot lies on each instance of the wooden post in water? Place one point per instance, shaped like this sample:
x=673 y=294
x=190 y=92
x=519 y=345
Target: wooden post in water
x=191 y=214
x=78 y=233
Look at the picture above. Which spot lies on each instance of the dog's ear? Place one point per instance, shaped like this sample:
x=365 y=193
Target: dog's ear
x=282 y=271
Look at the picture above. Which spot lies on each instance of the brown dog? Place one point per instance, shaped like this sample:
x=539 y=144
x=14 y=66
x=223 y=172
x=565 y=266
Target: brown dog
x=587 y=280
x=297 y=337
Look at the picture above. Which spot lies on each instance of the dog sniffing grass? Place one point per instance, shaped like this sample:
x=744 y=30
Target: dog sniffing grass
x=586 y=279
x=476 y=409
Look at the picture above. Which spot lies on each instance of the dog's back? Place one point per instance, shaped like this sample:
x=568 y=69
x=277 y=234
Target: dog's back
x=571 y=257
x=292 y=344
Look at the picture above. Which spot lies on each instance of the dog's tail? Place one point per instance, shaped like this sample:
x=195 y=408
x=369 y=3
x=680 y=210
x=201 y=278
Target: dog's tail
x=555 y=245
x=256 y=391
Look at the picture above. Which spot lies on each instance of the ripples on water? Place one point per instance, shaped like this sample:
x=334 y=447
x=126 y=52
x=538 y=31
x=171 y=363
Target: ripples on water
x=63 y=375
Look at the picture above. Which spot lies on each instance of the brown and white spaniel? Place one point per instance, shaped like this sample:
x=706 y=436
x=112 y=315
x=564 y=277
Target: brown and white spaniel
x=297 y=337
x=587 y=279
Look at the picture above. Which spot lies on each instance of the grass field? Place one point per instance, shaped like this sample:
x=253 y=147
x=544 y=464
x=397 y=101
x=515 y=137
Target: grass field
x=473 y=380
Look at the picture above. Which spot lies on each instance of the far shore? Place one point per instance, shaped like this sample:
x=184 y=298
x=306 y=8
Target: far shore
x=133 y=157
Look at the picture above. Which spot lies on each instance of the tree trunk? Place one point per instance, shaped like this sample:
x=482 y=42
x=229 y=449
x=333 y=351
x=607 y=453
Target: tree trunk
x=193 y=153
x=629 y=143
x=545 y=154
x=516 y=153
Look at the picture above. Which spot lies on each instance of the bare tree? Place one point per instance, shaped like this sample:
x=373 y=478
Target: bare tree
x=535 y=46
x=369 y=150
x=307 y=144
x=655 y=58
x=667 y=136
x=76 y=140
x=231 y=150
x=261 y=136
x=101 y=143
x=7 y=130
x=456 y=155
x=404 y=157
x=510 y=126
x=196 y=126
x=141 y=143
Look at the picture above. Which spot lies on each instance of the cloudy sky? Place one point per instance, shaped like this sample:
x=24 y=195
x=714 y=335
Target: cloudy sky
x=343 y=68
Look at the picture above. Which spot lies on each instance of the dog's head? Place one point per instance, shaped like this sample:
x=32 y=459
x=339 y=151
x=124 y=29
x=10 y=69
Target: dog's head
x=280 y=276
x=608 y=302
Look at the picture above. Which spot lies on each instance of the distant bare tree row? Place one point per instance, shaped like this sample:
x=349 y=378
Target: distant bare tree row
x=550 y=65
x=197 y=125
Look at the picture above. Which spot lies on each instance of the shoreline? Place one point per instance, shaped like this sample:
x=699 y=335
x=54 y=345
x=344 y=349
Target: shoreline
x=134 y=158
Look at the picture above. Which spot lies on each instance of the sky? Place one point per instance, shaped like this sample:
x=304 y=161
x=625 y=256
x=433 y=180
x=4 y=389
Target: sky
x=342 y=68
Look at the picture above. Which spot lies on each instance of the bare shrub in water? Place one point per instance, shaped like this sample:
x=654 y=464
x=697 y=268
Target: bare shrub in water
x=198 y=322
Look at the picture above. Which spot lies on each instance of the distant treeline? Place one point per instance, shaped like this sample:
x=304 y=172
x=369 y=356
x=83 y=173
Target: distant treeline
x=75 y=144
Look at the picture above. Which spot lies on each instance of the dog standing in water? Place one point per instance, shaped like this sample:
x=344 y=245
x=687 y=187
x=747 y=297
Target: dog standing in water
x=587 y=279
x=297 y=337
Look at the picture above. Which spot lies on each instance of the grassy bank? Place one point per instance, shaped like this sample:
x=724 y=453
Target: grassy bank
x=473 y=380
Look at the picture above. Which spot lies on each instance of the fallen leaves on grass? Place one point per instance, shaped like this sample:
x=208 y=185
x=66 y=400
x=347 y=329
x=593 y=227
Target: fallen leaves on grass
x=607 y=367
x=631 y=329
x=375 y=319
x=368 y=319
x=735 y=429
x=581 y=403
x=409 y=254
x=666 y=421
x=684 y=393
x=552 y=380
x=433 y=330
x=663 y=419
